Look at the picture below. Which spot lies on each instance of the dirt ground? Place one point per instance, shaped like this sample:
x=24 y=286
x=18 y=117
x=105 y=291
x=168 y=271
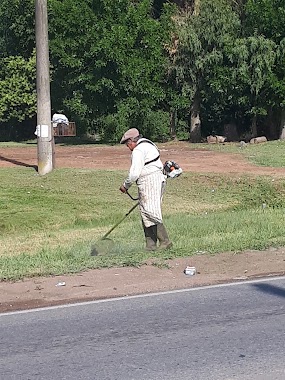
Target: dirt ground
x=119 y=282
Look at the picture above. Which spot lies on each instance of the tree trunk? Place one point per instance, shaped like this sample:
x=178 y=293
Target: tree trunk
x=231 y=131
x=272 y=128
x=173 y=123
x=282 y=134
x=195 y=127
x=254 y=126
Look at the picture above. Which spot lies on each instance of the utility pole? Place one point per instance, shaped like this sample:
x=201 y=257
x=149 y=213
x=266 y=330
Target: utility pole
x=45 y=138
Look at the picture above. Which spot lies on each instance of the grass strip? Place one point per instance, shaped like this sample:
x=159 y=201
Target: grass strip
x=49 y=223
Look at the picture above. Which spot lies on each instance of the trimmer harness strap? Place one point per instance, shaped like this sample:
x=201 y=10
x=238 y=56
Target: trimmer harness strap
x=148 y=141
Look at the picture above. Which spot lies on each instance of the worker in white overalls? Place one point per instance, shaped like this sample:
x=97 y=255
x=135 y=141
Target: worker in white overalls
x=147 y=172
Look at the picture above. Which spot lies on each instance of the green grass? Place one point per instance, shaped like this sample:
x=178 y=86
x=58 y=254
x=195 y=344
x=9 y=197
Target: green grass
x=270 y=153
x=14 y=144
x=49 y=223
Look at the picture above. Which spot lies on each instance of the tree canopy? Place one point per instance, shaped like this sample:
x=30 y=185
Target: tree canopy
x=160 y=66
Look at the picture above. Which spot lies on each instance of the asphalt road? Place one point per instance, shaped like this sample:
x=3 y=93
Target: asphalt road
x=223 y=332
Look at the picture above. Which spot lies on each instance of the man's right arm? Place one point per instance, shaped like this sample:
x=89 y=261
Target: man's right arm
x=135 y=169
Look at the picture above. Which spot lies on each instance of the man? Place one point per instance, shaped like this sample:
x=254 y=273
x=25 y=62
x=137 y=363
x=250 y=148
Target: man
x=146 y=170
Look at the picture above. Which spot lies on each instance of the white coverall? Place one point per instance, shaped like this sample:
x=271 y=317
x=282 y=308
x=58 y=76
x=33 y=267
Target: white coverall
x=150 y=181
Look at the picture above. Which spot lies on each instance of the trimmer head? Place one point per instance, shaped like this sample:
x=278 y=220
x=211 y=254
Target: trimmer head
x=102 y=247
x=105 y=245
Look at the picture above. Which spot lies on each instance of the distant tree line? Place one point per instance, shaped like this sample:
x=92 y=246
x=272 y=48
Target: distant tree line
x=173 y=69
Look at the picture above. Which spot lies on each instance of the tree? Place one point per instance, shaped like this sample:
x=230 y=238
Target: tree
x=107 y=57
x=17 y=28
x=114 y=65
x=17 y=90
x=202 y=35
x=266 y=18
x=254 y=59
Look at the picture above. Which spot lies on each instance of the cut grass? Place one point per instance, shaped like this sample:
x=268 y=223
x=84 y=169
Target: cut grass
x=49 y=223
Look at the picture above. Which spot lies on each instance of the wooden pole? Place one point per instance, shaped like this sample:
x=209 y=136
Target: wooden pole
x=45 y=138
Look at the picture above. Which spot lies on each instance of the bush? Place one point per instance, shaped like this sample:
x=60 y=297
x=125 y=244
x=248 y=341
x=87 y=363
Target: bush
x=131 y=114
x=156 y=125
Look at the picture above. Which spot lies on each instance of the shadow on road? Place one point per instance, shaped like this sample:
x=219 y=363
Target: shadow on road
x=19 y=163
x=270 y=289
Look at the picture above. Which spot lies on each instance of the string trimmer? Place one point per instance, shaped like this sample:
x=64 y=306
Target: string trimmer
x=104 y=245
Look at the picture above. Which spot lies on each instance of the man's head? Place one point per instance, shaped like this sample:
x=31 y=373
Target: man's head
x=130 y=138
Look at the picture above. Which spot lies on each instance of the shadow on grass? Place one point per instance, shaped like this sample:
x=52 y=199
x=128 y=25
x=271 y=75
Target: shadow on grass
x=19 y=163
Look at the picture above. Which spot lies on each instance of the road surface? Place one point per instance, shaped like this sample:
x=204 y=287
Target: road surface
x=224 y=332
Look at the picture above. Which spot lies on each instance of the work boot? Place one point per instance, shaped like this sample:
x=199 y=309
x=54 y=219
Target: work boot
x=150 y=237
x=164 y=242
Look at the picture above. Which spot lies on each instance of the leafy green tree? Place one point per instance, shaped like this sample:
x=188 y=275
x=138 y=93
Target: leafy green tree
x=254 y=58
x=266 y=18
x=17 y=28
x=107 y=57
x=17 y=97
x=17 y=68
x=203 y=36
x=17 y=90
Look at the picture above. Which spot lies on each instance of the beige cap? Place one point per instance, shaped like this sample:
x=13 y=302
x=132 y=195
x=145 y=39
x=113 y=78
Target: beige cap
x=130 y=134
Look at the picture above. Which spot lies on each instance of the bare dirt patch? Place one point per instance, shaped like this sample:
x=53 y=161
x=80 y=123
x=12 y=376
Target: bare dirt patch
x=118 y=157
x=118 y=282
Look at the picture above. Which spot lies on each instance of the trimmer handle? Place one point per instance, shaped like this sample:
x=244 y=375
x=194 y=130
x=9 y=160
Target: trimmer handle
x=134 y=199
